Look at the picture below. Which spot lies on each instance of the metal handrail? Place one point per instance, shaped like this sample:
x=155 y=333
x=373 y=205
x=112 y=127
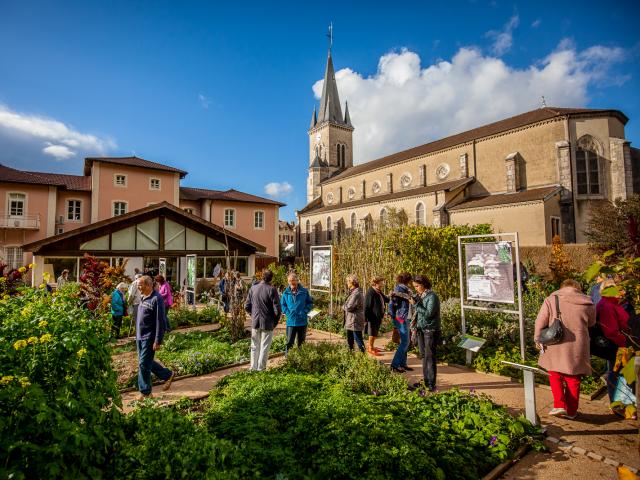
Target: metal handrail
x=24 y=221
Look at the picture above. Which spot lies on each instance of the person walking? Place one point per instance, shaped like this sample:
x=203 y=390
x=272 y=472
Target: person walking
x=296 y=305
x=133 y=299
x=164 y=289
x=354 y=313
x=118 y=308
x=613 y=320
x=570 y=359
x=263 y=303
x=399 y=311
x=63 y=279
x=427 y=306
x=150 y=328
x=374 y=308
x=224 y=286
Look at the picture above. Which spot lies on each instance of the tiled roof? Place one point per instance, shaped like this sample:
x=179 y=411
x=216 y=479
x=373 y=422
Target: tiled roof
x=524 y=119
x=446 y=186
x=131 y=162
x=70 y=182
x=188 y=193
x=531 y=195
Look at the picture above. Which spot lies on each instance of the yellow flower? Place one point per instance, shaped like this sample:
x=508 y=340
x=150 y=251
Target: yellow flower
x=6 y=379
x=3 y=279
x=43 y=323
x=20 y=344
x=26 y=311
x=47 y=337
x=81 y=352
x=24 y=382
x=32 y=340
x=46 y=276
x=31 y=265
x=22 y=269
x=6 y=296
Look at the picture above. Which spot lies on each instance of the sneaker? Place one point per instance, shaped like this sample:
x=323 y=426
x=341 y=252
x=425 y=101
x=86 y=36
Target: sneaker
x=142 y=397
x=398 y=369
x=408 y=369
x=167 y=384
x=571 y=417
x=558 y=412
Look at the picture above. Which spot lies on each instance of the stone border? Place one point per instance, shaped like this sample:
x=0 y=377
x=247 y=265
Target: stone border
x=570 y=447
x=501 y=469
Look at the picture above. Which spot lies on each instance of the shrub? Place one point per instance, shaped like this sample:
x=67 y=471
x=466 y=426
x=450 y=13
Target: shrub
x=56 y=387
x=614 y=226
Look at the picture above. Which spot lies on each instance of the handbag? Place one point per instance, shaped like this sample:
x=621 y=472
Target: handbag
x=553 y=333
x=600 y=346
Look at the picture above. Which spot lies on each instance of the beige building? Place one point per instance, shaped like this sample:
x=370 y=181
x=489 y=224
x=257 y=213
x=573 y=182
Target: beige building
x=536 y=173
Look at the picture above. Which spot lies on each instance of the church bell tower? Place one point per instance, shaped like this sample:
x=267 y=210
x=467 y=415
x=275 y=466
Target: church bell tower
x=330 y=135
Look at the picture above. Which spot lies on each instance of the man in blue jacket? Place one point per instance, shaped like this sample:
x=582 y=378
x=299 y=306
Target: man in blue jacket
x=118 y=309
x=150 y=327
x=296 y=305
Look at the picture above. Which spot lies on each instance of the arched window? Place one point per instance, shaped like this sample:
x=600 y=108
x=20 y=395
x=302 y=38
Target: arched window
x=587 y=166
x=329 y=229
x=338 y=158
x=308 y=231
x=317 y=233
x=354 y=221
x=383 y=216
x=420 y=214
x=344 y=158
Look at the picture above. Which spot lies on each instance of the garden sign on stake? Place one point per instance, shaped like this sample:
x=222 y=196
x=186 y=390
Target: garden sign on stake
x=486 y=275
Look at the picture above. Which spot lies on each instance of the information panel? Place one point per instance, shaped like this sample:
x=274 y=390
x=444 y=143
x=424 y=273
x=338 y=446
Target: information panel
x=321 y=267
x=489 y=268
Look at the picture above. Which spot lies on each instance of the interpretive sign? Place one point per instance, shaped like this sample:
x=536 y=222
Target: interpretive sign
x=191 y=272
x=469 y=342
x=489 y=268
x=321 y=267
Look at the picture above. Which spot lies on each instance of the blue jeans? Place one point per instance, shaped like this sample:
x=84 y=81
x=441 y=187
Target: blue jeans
x=147 y=365
x=400 y=358
x=292 y=333
x=612 y=380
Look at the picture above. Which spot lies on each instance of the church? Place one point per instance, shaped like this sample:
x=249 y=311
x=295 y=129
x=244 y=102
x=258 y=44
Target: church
x=537 y=173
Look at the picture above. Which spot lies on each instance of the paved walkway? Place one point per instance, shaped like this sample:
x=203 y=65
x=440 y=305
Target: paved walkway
x=207 y=327
x=594 y=437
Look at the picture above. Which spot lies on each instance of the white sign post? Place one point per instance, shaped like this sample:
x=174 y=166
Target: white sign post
x=191 y=279
x=321 y=275
x=487 y=268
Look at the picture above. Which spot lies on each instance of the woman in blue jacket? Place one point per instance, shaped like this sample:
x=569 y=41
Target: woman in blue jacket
x=399 y=311
x=296 y=305
x=118 y=308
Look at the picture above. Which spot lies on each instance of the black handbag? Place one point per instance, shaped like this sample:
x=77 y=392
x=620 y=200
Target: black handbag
x=553 y=333
x=600 y=346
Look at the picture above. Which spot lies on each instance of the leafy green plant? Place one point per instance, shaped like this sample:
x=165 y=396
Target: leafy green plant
x=57 y=388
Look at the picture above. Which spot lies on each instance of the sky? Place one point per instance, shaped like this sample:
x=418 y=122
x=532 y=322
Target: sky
x=226 y=90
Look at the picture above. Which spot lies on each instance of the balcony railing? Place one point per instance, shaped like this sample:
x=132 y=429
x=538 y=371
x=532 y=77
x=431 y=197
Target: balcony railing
x=26 y=222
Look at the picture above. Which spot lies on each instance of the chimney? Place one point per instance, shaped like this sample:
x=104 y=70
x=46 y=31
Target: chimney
x=512 y=164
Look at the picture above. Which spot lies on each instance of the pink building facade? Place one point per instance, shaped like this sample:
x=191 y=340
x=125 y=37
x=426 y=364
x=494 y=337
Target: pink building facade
x=37 y=205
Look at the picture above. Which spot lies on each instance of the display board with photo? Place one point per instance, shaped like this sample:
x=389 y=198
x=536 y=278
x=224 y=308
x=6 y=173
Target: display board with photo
x=490 y=271
x=321 y=267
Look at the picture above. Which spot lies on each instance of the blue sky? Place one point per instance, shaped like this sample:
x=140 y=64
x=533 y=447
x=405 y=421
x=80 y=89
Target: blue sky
x=225 y=90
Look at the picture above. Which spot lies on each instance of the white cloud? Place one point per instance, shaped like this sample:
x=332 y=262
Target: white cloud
x=204 y=101
x=22 y=132
x=503 y=39
x=278 y=189
x=405 y=104
x=59 y=152
x=536 y=23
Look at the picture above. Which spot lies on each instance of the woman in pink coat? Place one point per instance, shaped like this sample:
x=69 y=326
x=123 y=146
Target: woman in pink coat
x=570 y=359
x=164 y=289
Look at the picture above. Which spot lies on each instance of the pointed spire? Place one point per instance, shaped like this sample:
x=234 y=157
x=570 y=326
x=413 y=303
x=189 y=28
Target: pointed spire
x=314 y=118
x=347 y=117
x=330 y=110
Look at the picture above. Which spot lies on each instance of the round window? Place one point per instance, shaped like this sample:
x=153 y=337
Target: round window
x=351 y=193
x=329 y=198
x=442 y=171
x=376 y=187
x=405 y=180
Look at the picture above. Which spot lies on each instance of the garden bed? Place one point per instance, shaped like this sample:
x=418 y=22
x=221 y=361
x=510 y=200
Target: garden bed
x=192 y=353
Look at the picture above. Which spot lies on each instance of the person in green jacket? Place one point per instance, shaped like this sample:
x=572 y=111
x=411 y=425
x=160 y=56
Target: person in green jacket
x=427 y=305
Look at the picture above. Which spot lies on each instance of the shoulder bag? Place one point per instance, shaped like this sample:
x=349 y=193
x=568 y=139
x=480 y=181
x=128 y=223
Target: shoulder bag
x=553 y=333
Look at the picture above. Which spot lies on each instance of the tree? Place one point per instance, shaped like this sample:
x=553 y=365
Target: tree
x=615 y=226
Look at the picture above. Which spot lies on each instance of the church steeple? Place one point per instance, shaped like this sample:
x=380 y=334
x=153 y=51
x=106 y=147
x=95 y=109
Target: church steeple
x=314 y=118
x=347 y=117
x=330 y=110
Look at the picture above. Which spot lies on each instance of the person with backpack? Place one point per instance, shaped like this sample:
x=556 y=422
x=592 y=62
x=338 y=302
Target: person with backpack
x=399 y=311
x=569 y=359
